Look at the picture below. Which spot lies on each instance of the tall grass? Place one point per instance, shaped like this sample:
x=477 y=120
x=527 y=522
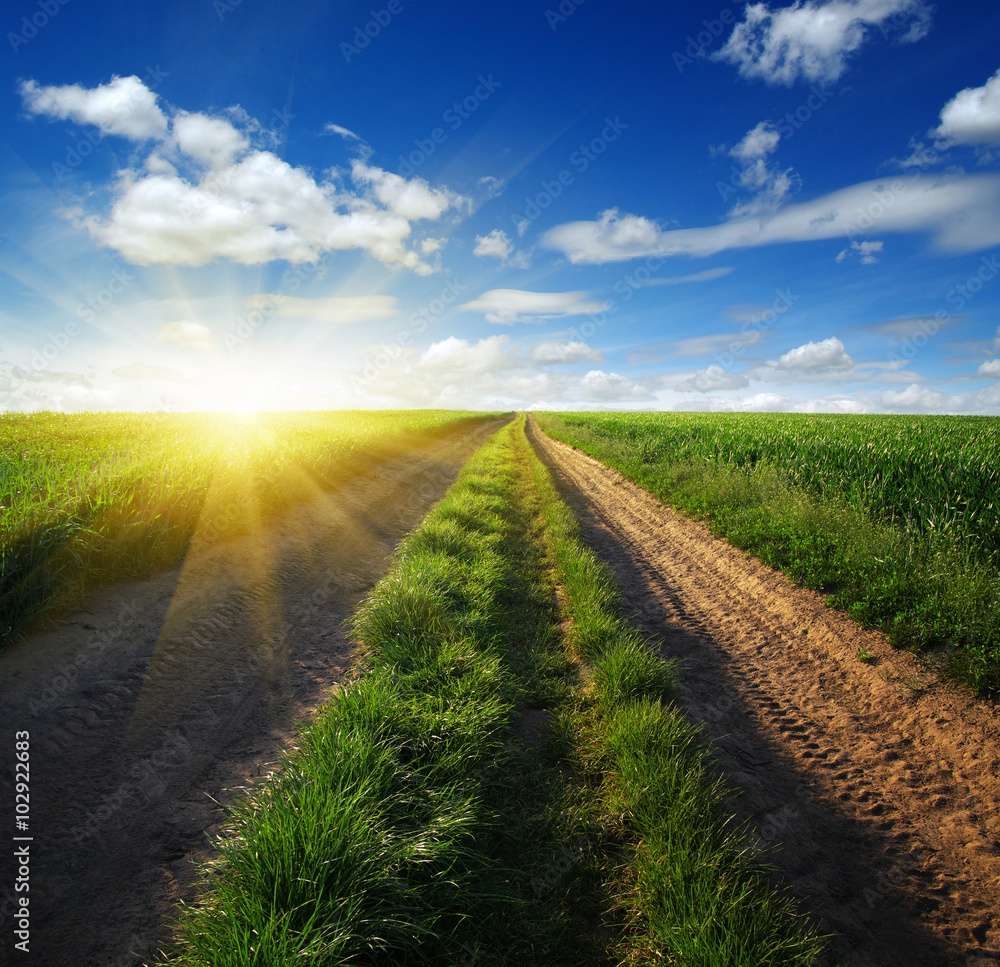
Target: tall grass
x=694 y=893
x=89 y=498
x=894 y=518
x=411 y=825
x=416 y=822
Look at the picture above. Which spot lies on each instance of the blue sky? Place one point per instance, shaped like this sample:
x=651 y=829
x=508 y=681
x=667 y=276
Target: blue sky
x=221 y=204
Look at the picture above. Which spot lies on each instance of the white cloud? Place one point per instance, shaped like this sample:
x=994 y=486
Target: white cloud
x=191 y=335
x=569 y=351
x=493 y=186
x=413 y=199
x=522 y=226
x=867 y=250
x=831 y=406
x=343 y=132
x=972 y=116
x=707 y=276
x=496 y=245
x=758 y=142
x=711 y=379
x=817 y=357
x=770 y=185
x=250 y=206
x=914 y=397
x=431 y=245
x=958 y=210
x=335 y=309
x=812 y=40
x=608 y=387
x=762 y=403
x=125 y=106
x=990 y=368
x=507 y=306
x=489 y=355
x=212 y=141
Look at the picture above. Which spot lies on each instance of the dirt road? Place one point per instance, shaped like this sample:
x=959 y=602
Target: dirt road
x=165 y=693
x=877 y=787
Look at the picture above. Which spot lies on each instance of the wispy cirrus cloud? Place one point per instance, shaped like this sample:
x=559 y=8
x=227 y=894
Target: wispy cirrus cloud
x=507 y=306
x=958 y=211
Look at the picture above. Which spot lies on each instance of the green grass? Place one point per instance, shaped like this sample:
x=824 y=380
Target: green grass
x=91 y=498
x=416 y=823
x=893 y=518
x=694 y=893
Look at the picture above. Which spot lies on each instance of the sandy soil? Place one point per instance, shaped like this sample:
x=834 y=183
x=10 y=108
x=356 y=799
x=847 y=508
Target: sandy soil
x=163 y=694
x=875 y=786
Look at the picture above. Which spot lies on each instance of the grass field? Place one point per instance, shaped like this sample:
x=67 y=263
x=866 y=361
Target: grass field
x=504 y=781
x=89 y=498
x=894 y=517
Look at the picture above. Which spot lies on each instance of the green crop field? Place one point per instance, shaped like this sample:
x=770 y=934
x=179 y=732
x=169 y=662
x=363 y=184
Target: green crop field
x=86 y=498
x=895 y=517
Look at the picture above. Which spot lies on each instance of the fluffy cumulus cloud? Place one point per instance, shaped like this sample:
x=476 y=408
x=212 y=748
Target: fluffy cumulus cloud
x=124 y=107
x=828 y=356
x=611 y=387
x=496 y=245
x=811 y=41
x=913 y=398
x=459 y=356
x=507 y=306
x=957 y=210
x=208 y=188
x=189 y=335
x=335 y=309
x=567 y=351
x=972 y=116
x=990 y=368
x=711 y=379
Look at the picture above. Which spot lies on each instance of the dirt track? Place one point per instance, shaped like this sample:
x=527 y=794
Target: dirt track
x=186 y=685
x=877 y=787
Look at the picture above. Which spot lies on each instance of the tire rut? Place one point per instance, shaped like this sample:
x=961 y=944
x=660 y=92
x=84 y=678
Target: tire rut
x=874 y=787
x=145 y=708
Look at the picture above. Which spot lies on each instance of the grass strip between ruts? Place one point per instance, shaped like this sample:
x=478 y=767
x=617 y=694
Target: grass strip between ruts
x=418 y=821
